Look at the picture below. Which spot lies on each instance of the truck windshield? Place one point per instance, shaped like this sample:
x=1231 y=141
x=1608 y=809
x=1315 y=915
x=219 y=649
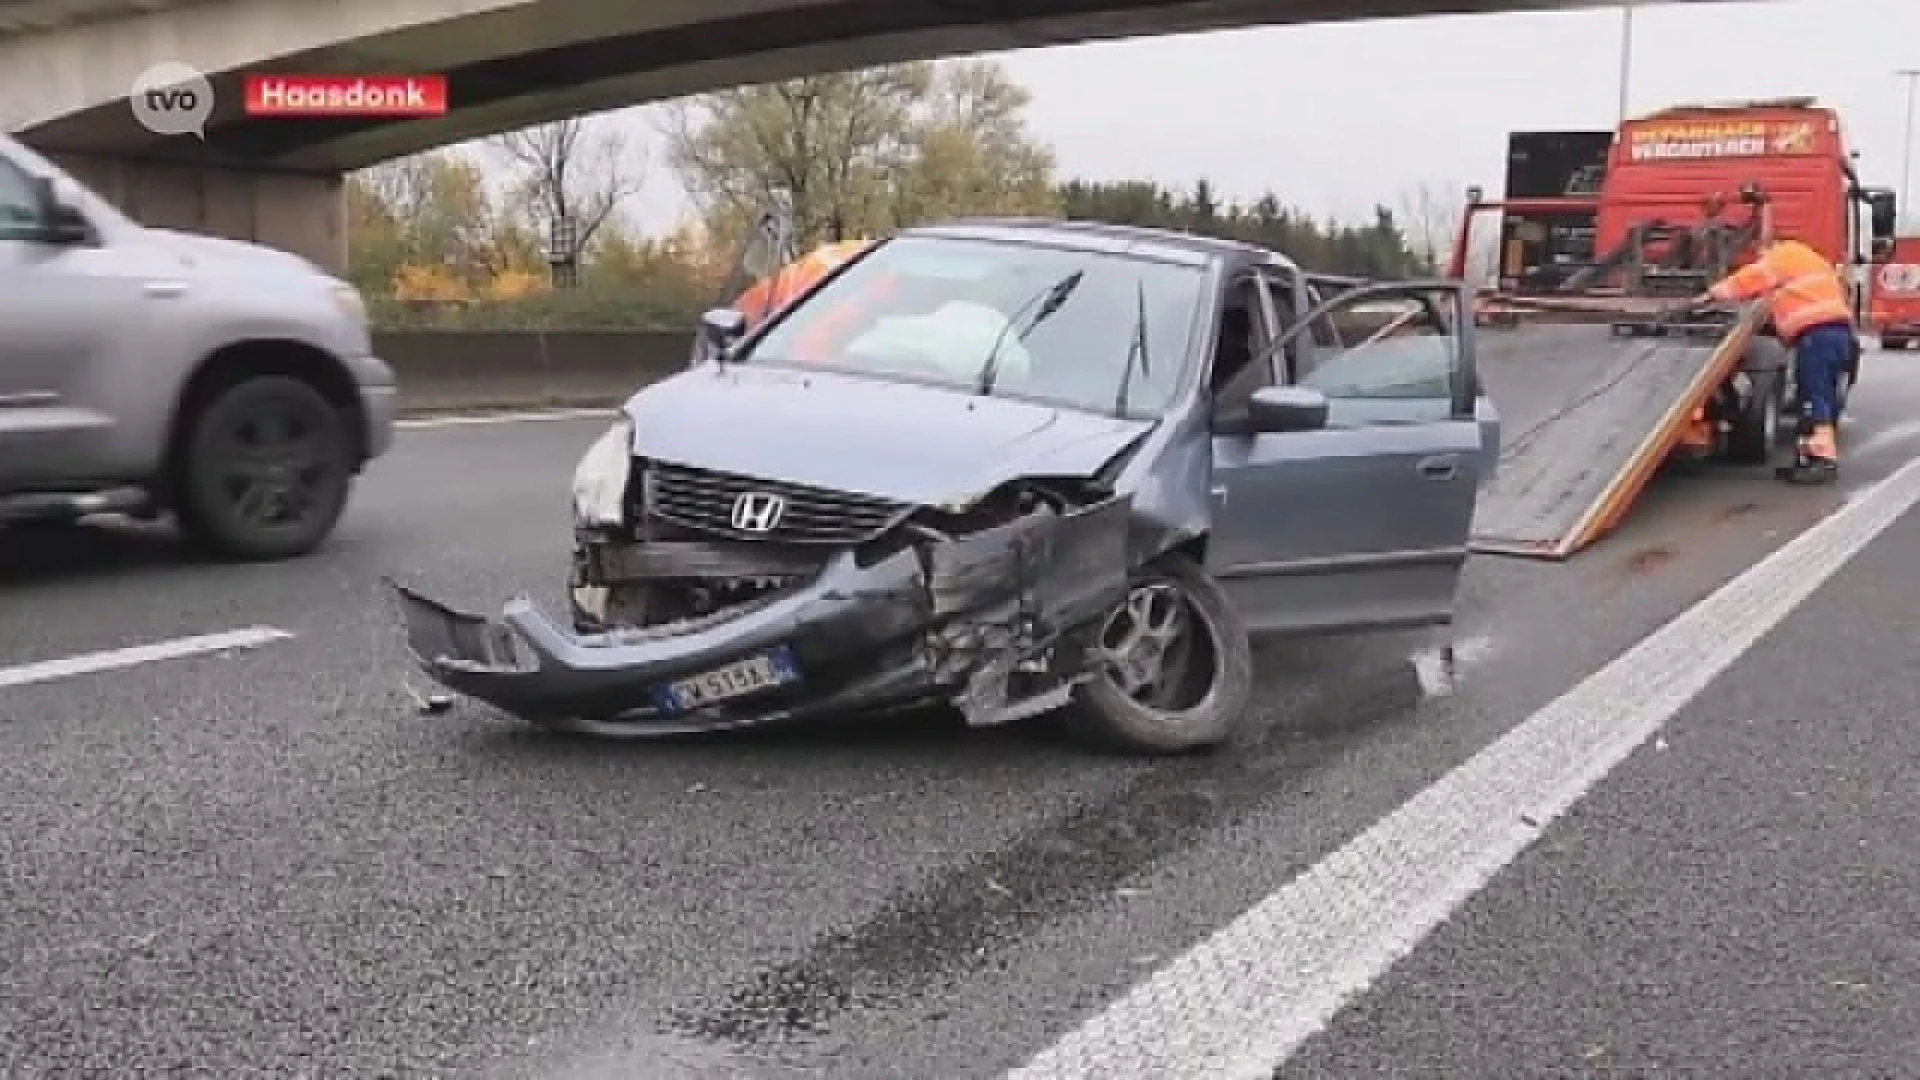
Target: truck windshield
x=1015 y=320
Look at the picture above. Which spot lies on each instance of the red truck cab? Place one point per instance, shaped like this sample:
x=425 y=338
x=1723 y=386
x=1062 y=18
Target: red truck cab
x=1684 y=195
x=1895 y=313
x=1689 y=164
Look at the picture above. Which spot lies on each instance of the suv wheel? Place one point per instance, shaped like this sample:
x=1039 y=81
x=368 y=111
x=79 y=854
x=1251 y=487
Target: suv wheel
x=1174 y=671
x=265 y=471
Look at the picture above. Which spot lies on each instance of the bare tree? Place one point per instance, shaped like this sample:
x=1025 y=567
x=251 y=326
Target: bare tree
x=1430 y=215
x=831 y=148
x=571 y=170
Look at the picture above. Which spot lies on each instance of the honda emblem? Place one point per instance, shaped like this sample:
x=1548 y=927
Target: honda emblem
x=758 y=511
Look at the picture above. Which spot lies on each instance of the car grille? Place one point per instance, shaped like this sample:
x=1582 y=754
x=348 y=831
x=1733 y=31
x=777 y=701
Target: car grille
x=703 y=500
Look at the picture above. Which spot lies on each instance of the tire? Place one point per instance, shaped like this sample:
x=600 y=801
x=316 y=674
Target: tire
x=1757 y=430
x=264 y=470
x=1203 y=709
x=1894 y=344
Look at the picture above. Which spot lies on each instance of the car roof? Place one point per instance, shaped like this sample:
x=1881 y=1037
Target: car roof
x=1107 y=238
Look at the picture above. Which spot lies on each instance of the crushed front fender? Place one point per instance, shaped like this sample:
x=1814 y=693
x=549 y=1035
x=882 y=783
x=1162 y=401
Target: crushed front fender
x=958 y=619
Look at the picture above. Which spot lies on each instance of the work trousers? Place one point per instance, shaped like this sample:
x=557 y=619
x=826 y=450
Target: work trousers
x=1820 y=361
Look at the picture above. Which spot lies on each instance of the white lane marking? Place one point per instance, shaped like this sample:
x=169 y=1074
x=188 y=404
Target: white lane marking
x=1243 y=1001
x=428 y=423
x=1897 y=433
x=88 y=663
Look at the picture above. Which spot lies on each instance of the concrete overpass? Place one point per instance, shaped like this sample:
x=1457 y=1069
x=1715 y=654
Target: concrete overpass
x=67 y=66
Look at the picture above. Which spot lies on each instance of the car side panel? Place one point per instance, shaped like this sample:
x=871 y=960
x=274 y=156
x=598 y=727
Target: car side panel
x=61 y=339
x=1344 y=529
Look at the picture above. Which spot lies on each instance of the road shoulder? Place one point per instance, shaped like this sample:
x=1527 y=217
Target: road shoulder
x=1737 y=899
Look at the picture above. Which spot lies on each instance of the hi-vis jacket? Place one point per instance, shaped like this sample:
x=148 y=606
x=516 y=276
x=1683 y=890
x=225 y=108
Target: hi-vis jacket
x=1802 y=288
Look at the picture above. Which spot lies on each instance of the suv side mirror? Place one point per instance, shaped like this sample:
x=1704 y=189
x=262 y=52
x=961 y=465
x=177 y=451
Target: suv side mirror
x=59 y=223
x=1275 y=409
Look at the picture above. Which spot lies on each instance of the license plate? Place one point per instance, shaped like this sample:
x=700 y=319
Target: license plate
x=742 y=678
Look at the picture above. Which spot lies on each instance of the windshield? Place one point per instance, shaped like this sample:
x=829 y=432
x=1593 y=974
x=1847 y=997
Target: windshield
x=1061 y=327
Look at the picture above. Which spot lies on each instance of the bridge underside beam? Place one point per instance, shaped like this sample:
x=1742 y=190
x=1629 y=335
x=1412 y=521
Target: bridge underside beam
x=304 y=213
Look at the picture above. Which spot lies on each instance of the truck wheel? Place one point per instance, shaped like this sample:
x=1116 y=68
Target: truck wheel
x=1756 y=431
x=264 y=470
x=1174 y=671
x=1894 y=344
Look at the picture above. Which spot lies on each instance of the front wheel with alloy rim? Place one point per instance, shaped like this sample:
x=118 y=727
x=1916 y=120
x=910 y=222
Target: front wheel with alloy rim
x=265 y=470
x=1173 y=671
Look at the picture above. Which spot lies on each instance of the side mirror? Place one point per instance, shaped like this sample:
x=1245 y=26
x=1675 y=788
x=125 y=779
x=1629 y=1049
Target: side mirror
x=719 y=329
x=59 y=223
x=723 y=326
x=1883 y=207
x=1275 y=409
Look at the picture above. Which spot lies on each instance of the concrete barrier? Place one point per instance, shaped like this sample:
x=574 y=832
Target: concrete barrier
x=471 y=370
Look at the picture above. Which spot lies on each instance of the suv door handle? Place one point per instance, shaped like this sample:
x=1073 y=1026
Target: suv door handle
x=1442 y=467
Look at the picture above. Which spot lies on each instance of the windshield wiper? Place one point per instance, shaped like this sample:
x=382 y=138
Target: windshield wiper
x=1049 y=299
x=1136 y=348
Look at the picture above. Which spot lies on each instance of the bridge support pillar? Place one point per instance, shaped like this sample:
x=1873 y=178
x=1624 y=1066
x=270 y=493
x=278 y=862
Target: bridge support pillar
x=304 y=213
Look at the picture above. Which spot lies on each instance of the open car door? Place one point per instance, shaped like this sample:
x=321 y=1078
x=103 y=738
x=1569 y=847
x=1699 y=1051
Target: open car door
x=1361 y=521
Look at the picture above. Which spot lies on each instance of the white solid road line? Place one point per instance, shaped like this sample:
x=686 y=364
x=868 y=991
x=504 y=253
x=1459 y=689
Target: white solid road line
x=1887 y=436
x=429 y=423
x=88 y=663
x=1243 y=1001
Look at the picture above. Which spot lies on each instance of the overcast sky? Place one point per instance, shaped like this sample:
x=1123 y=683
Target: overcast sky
x=1334 y=118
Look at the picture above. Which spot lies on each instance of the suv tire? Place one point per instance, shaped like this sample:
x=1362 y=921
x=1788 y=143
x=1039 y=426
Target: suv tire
x=264 y=471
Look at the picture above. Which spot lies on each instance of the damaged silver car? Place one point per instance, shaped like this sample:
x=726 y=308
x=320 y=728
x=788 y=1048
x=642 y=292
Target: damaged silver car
x=1011 y=466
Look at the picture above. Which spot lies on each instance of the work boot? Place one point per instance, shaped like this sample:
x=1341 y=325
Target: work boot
x=1816 y=458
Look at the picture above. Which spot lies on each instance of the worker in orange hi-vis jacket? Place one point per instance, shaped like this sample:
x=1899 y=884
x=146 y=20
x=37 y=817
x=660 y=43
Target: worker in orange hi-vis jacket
x=1807 y=299
x=766 y=297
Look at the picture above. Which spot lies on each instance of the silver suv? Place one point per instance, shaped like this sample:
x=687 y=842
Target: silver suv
x=147 y=371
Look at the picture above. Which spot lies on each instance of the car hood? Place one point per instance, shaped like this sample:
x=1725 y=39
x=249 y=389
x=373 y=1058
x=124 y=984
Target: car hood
x=221 y=255
x=893 y=440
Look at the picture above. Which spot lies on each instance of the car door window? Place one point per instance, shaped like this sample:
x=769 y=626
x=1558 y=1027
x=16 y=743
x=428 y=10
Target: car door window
x=1240 y=364
x=19 y=210
x=1400 y=361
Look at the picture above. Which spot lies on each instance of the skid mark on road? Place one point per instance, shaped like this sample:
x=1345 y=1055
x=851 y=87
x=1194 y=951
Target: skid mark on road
x=68 y=667
x=952 y=924
x=1246 y=999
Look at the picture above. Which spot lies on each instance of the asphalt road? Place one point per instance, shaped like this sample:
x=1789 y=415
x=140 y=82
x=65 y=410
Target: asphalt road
x=268 y=862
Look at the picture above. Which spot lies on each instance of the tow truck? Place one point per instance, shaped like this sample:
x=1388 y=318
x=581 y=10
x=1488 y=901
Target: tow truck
x=1601 y=372
x=1895 y=309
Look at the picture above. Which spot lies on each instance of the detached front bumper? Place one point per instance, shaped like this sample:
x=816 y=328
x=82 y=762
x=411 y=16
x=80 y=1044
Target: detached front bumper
x=975 y=619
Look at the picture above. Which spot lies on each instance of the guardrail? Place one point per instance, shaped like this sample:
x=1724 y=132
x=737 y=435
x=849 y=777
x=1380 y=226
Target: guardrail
x=472 y=370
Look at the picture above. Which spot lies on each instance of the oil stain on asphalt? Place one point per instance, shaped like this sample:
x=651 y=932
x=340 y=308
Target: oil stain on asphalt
x=924 y=939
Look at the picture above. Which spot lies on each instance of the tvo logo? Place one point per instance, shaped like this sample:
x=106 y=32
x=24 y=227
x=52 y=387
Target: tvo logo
x=172 y=99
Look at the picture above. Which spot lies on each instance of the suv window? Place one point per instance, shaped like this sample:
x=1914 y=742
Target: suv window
x=1402 y=364
x=19 y=213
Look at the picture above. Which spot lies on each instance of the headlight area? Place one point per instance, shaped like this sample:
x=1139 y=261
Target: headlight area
x=600 y=480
